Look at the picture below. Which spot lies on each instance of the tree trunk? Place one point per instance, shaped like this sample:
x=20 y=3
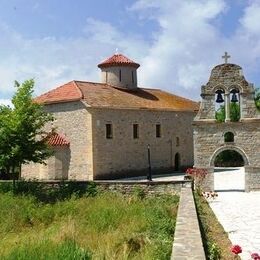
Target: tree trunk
x=12 y=172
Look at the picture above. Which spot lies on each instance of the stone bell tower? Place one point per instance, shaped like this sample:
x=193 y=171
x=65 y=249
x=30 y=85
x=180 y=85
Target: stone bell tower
x=228 y=85
x=119 y=71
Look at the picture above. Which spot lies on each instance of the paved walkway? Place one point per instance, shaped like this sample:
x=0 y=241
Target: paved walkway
x=239 y=214
x=176 y=176
x=232 y=178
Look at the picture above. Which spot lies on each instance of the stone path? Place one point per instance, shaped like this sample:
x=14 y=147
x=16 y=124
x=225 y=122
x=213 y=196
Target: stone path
x=239 y=214
x=232 y=178
x=177 y=176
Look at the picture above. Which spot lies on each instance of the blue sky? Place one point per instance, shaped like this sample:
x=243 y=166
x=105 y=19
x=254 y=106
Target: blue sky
x=176 y=42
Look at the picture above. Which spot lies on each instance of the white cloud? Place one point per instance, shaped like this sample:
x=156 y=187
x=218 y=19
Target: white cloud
x=179 y=58
x=185 y=47
x=6 y=102
x=250 y=20
x=51 y=61
x=190 y=42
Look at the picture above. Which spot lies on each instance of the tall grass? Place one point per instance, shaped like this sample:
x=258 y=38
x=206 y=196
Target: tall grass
x=107 y=226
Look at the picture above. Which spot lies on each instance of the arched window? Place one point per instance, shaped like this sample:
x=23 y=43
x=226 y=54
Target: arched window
x=228 y=137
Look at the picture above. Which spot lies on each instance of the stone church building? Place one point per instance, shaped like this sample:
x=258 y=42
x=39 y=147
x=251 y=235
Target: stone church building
x=227 y=84
x=102 y=130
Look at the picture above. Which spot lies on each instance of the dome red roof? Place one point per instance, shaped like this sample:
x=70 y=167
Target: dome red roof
x=118 y=60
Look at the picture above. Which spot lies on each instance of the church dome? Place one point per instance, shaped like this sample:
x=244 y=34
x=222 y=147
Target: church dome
x=118 y=60
x=119 y=71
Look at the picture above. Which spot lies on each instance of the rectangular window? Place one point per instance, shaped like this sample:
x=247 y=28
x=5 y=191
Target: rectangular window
x=158 y=130
x=135 y=131
x=109 y=131
x=120 y=75
x=133 y=80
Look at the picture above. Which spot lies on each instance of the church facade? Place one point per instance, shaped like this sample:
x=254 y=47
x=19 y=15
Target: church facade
x=227 y=84
x=102 y=130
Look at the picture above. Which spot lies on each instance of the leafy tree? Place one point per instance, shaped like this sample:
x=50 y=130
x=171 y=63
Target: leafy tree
x=220 y=114
x=22 y=138
x=257 y=98
x=229 y=158
x=234 y=113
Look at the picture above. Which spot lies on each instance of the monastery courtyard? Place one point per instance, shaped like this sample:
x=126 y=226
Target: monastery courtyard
x=237 y=211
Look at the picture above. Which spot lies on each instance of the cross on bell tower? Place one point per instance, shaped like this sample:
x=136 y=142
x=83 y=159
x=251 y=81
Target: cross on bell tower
x=226 y=57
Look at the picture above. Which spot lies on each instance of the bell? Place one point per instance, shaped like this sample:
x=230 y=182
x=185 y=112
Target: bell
x=219 y=97
x=234 y=97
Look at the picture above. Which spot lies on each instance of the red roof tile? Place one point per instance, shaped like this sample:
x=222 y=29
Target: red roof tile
x=64 y=93
x=106 y=96
x=57 y=140
x=118 y=60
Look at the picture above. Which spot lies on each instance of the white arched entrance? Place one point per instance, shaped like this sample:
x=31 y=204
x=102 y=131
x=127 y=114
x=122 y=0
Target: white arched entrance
x=229 y=177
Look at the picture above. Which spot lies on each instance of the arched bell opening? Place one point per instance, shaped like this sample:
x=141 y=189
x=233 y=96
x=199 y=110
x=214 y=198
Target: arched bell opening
x=234 y=98
x=220 y=105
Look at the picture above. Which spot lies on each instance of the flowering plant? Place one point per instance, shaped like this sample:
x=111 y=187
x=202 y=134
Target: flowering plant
x=255 y=256
x=236 y=249
x=198 y=175
x=210 y=195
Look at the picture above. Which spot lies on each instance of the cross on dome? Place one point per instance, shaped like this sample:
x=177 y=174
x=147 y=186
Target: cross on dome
x=226 y=57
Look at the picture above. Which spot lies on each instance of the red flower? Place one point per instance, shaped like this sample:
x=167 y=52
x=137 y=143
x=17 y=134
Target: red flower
x=255 y=256
x=236 y=249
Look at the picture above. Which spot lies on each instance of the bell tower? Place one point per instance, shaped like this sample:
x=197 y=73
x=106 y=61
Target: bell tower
x=227 y=88
x=227 y=85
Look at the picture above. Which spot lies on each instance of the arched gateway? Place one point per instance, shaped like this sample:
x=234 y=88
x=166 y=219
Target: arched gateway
x=228 y=120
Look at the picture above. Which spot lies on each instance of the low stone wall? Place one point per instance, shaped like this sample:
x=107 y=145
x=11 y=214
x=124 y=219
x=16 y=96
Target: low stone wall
x=187 y=238
x=124 y=187
x=148 y=187
x=252 y=178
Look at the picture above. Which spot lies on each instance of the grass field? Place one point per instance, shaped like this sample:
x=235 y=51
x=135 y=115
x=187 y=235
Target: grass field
x=106 y=226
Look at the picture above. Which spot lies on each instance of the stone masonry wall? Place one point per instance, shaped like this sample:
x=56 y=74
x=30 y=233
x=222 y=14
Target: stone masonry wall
x=209 y=142
x=110 y=76
x=209 y=134
x=73 y=120
x=124 y=156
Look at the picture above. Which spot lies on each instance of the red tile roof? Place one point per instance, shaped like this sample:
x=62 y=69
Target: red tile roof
x=57 y=140
x=64 y=93
x=105 y=96
x=118 y=60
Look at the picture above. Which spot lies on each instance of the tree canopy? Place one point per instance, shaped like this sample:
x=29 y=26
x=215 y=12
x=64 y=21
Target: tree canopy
x=234 y=113
x=257 y=98
x=22 y=138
